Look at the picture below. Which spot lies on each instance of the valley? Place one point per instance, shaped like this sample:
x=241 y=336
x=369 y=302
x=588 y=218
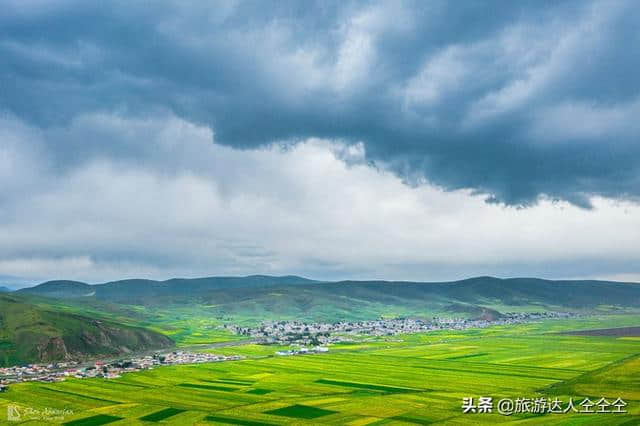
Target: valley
x=402 y=380
x=326 y=353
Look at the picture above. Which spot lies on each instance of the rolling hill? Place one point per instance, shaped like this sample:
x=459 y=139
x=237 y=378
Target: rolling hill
x=58 y=319
x=32 y=333
x=140 y=290
x=295 y=297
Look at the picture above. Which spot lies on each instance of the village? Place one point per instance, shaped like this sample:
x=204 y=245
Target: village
x=59 y=371
x=303 y=339
x=304 y=334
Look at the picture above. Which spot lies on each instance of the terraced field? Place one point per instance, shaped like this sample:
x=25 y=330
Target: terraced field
x=414 y=379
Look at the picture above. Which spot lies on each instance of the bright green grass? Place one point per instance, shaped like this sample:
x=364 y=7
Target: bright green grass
x=300 y=412
x=232 y=421
x=259 y=391
x=367 y=386
x=208 y=387
x=100 y=419
x=162 y=414
x=248 y=350
x=411 y=379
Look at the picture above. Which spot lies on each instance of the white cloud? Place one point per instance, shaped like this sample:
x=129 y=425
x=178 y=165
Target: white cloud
x=191 y=207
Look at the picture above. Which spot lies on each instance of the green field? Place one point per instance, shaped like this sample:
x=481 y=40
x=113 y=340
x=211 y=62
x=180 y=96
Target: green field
x=412 y=379
x=60 y=320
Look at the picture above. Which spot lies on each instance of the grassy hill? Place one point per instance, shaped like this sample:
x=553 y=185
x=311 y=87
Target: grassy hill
x=61 y=289
x=139 y=290
x=264 y=297
x=470 y=298
x=32 y=333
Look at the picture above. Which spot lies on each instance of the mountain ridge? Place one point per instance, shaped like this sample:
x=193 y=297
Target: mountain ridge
x=229 y=290
x=304 y=280
x=260 y=297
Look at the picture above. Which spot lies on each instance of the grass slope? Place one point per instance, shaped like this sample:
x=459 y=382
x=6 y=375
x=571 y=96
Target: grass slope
x=191 y=311
x=33 y=333
x=139 y=290
x=295 y=296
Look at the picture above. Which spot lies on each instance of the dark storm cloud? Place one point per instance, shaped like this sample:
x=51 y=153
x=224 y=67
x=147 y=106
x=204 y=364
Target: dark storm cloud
x=511 y=99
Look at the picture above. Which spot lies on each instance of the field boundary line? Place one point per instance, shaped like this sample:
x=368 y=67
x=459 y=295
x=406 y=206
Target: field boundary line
x=577 y=379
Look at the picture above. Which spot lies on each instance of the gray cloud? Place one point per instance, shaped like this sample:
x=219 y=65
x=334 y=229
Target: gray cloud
x=516 y=100
x=184 y=205
x=339 y=140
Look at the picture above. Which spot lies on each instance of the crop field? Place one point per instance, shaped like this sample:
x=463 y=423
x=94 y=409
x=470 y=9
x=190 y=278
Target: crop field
x=411 y=379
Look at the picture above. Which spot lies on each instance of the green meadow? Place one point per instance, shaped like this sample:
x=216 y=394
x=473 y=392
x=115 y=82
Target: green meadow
x=398 y=380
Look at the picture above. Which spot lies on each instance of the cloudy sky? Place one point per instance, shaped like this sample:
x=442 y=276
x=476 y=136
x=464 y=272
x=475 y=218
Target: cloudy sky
x=395 y=140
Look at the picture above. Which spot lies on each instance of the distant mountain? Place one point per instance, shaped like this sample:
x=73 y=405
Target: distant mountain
x=32 y=333
x=139 y=289
x=483 y=297
x=5 y=289
x=60 y=289
x=265 y=296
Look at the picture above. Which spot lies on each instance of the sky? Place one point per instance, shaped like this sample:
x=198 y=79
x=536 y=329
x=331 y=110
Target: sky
x=335 y=140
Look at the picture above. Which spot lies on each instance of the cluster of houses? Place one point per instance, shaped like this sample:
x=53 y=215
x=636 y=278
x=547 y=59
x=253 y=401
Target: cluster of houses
x=301 y=350
x=321 y=334
x=56 y=372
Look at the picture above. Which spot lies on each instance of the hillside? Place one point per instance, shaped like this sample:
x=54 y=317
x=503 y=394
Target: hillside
x=294 y=297
x=31 y=333
x=474 y=298
x=60 y=289
x=139 y=290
